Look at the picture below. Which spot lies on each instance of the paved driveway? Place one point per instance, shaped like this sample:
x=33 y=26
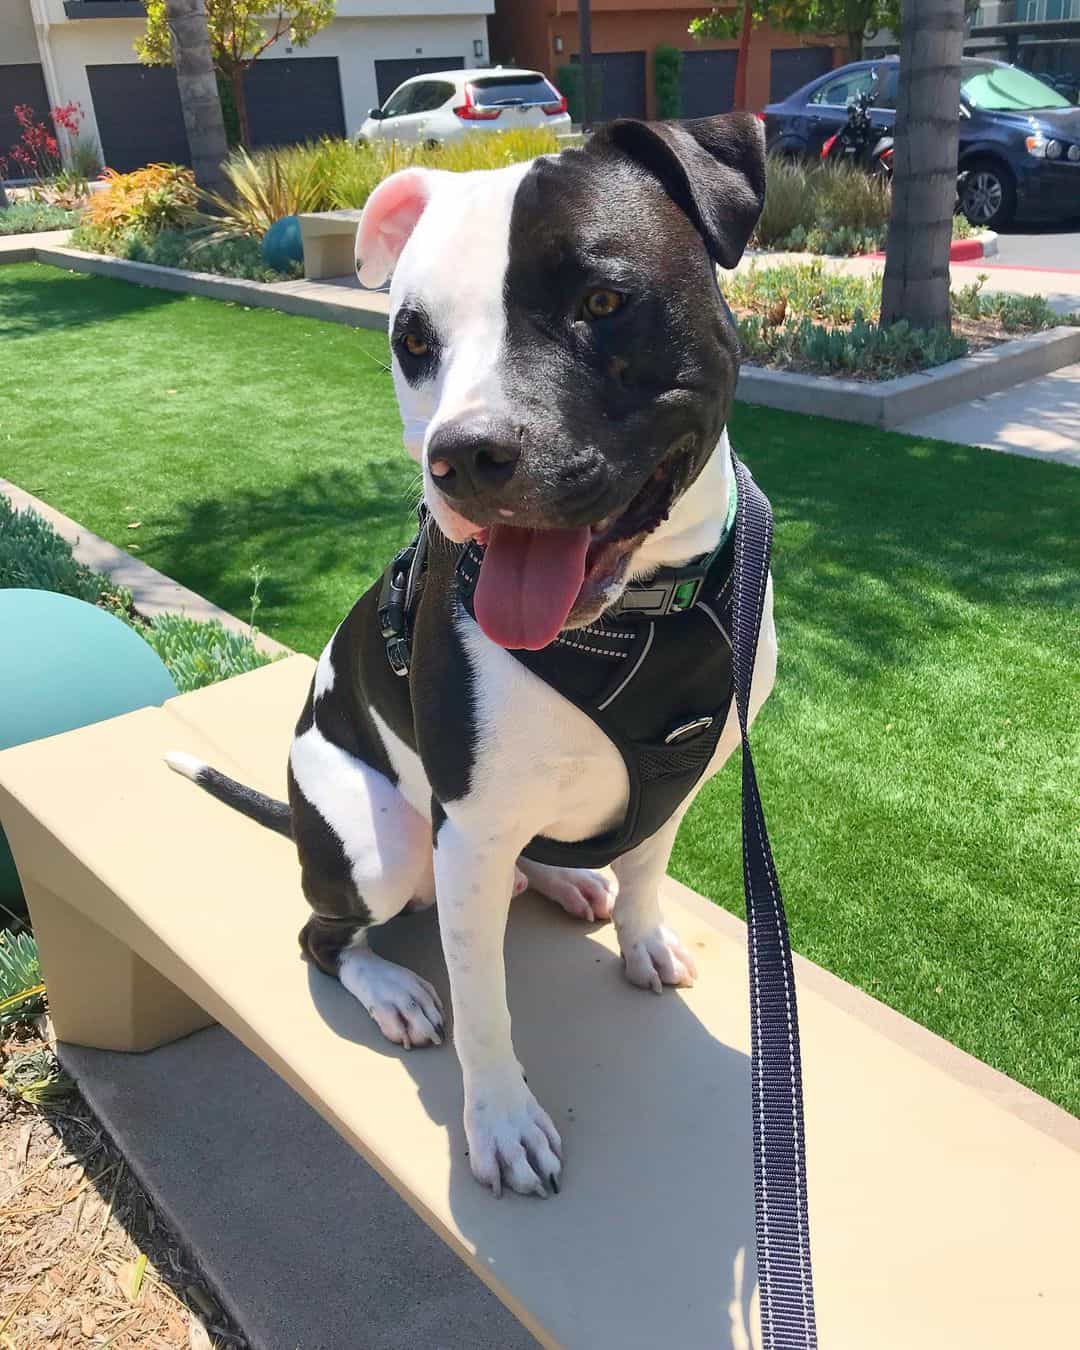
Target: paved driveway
x=1054 y=246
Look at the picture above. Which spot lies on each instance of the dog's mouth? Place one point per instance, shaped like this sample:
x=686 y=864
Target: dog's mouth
x=533 y=583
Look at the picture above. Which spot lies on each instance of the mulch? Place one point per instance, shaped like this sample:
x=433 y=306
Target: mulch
x=85 y=1259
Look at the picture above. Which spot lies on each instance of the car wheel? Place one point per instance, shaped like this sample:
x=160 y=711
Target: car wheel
x=988 y=194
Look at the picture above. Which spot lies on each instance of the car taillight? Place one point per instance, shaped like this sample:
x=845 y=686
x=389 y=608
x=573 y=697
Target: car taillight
x=760 y=117
x=553 y=109
x=469 y=112
x=828 y=145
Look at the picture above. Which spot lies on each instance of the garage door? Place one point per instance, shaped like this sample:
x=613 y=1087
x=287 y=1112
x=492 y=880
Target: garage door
x=790 y=70
x=20 y=84
x=708 y=83
x=298 y=99
x=138 y=115
x=621 y=80
x=389 y=74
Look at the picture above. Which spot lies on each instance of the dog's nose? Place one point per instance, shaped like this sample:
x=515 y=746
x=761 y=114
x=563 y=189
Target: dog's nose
x=468 y=459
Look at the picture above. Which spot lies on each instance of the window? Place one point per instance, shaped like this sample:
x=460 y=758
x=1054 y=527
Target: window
x=844 y=89
x=429 y=95
x=507 y=91
x=1006 y=89
x=400 y=101
x=888 y=76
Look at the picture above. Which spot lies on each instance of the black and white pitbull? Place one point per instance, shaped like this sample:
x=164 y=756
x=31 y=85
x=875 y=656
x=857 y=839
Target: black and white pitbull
x=565 y=366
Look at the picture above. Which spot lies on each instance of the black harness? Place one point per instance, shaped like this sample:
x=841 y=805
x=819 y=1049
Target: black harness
x=690 y=636
x=654 y=674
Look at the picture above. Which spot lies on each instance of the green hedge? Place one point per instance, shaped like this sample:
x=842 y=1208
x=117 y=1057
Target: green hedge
x=667 y=72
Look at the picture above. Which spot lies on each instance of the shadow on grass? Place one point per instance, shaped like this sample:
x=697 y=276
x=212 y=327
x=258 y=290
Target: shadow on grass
x=36 y=298
x=321 y=536
x=883 y=542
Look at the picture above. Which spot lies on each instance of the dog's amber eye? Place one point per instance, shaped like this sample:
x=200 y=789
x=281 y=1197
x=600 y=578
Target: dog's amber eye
x=415 y=346
x=601 y=304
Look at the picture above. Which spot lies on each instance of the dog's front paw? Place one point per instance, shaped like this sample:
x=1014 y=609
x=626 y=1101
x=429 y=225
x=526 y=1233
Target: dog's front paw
x=511 y=1138
x=655 y=958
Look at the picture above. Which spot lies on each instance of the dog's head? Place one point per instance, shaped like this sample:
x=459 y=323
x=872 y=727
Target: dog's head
x=562 y=355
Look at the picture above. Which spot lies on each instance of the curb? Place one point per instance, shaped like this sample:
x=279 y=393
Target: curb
x=152 y=592
x=289 y=297
x=888 y=403
x=982 y=246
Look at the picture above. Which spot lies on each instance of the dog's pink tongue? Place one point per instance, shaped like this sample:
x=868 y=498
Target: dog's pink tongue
x=528 y=583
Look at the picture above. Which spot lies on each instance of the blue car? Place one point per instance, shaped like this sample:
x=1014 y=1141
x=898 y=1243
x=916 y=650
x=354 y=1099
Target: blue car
x=1019 y=138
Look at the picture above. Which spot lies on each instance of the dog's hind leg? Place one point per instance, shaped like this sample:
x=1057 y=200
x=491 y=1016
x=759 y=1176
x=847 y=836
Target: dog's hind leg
x=365 y=853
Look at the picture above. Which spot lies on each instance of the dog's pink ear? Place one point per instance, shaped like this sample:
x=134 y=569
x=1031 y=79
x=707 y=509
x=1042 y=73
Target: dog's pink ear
x=389 y=218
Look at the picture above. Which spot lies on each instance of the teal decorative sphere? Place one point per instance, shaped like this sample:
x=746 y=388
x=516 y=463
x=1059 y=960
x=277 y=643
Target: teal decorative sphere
x=282 y=245
x=65 y=664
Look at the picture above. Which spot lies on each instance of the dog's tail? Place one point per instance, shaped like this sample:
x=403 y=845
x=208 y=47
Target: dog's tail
x=256 y=806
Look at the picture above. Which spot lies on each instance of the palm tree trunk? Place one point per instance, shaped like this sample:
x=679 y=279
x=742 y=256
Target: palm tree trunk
x=198 y=91
x=916 y=284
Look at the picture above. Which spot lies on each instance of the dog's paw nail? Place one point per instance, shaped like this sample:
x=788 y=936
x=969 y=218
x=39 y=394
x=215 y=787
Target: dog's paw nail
x=553 y=1182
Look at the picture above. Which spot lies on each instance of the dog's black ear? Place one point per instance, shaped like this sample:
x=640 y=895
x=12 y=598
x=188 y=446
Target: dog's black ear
x=713 y=168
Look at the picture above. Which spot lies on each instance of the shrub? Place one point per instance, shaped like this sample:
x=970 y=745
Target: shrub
x=1015 y=313
x=788 y=203
x=568 y=79
x=264 y=187
x=827 y=208
x=33 y=556
x=329 y=175
x=847 y=198
x=807 y=290
x=36 y=154
x=26 y=217
x=198 y=654
x=159 y=197
x=228 y=257
x=667 y=68
x=863 y=348
x=20 y=977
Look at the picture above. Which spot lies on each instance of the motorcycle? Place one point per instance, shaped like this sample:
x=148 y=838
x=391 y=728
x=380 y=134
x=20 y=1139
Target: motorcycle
x=859 y=143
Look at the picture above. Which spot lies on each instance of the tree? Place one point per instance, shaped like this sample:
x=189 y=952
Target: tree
x=857 y=20
x=184 y=23
x=240 y=32
x=916 y=282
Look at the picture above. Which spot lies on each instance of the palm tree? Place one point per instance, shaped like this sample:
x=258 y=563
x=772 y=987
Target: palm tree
x=916 y=284
x=198 y=91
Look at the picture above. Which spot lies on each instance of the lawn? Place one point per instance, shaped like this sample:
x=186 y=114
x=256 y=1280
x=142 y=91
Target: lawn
x=919 y=758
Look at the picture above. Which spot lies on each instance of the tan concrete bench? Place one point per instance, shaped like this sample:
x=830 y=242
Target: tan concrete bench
x=329 y=238
x=944 y=1197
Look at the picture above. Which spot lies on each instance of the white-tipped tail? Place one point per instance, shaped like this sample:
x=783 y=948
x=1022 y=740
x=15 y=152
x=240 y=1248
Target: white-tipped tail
x=185 y=764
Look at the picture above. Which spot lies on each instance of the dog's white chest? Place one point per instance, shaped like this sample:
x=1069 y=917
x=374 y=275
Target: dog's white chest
x=550 y=760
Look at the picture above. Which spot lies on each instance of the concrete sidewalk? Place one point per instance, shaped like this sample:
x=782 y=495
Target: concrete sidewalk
x=1039 y=419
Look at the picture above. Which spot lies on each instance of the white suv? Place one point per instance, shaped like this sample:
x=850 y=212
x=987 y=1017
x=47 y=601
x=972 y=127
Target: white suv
x=451 y=104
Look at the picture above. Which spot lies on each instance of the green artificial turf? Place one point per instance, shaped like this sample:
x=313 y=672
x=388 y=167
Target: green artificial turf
x=919 y=757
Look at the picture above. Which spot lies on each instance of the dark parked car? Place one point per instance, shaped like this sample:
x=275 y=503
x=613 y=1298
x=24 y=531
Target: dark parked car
x=1019 y=138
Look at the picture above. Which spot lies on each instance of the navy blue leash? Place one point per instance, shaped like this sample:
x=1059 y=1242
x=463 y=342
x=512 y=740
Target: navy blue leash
x=783 y=1228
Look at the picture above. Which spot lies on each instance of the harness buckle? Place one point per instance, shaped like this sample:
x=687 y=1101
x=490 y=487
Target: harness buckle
x=397 y=654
